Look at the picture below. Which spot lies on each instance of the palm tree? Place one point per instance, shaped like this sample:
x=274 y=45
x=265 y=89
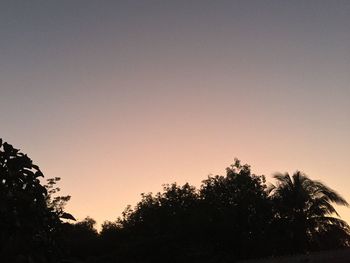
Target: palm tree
x=304 y=209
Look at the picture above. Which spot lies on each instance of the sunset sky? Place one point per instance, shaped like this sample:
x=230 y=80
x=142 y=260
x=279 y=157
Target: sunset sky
x=120 y=97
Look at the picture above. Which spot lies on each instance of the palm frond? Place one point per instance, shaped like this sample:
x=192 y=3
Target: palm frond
x=331 y=194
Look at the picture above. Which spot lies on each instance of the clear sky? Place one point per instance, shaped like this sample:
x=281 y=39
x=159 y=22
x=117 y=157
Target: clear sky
x=120 y=97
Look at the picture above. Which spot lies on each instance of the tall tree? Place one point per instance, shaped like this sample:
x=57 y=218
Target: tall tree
x=28 y=225
x=238 y=211
x=305 y=213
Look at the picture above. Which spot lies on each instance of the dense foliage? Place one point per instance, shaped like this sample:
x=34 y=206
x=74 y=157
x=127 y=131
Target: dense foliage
x=30 y=214
x=27 y=223
x=228 y=218
x=231 y=217
x=303 y=214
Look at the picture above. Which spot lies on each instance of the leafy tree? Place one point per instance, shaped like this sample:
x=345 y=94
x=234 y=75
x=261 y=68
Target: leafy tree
x=80 y=240
x=151 y=211
x=304 y=214
x=110 y=232
x=27 y=223
x=55 y=202
x=225 y=220
x=165 y=222
x=238 y=212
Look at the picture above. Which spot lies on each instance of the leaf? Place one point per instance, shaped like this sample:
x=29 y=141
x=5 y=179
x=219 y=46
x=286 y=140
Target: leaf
x=67 y=216
x=38 y=173
x=7 y=147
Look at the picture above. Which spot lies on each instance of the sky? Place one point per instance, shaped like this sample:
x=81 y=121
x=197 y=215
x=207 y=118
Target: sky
x=120 y=97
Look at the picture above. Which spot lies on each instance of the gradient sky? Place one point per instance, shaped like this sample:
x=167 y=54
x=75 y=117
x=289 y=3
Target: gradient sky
x=120 y=97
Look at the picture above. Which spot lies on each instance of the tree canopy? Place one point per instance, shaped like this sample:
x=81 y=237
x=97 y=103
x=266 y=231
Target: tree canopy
x=304 y=213
x=28 y=223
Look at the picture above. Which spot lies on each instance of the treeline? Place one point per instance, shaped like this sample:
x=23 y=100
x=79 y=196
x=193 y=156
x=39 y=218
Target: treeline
x=228 y=218
x=231 y=217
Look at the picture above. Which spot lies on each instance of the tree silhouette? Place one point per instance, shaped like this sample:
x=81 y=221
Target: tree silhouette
x=27 y=223
x=79 y=240
x=165 y=222
x=304 y=214
x=230 y=217
x=226 y=219
x=238 y=211
x=56 y=202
